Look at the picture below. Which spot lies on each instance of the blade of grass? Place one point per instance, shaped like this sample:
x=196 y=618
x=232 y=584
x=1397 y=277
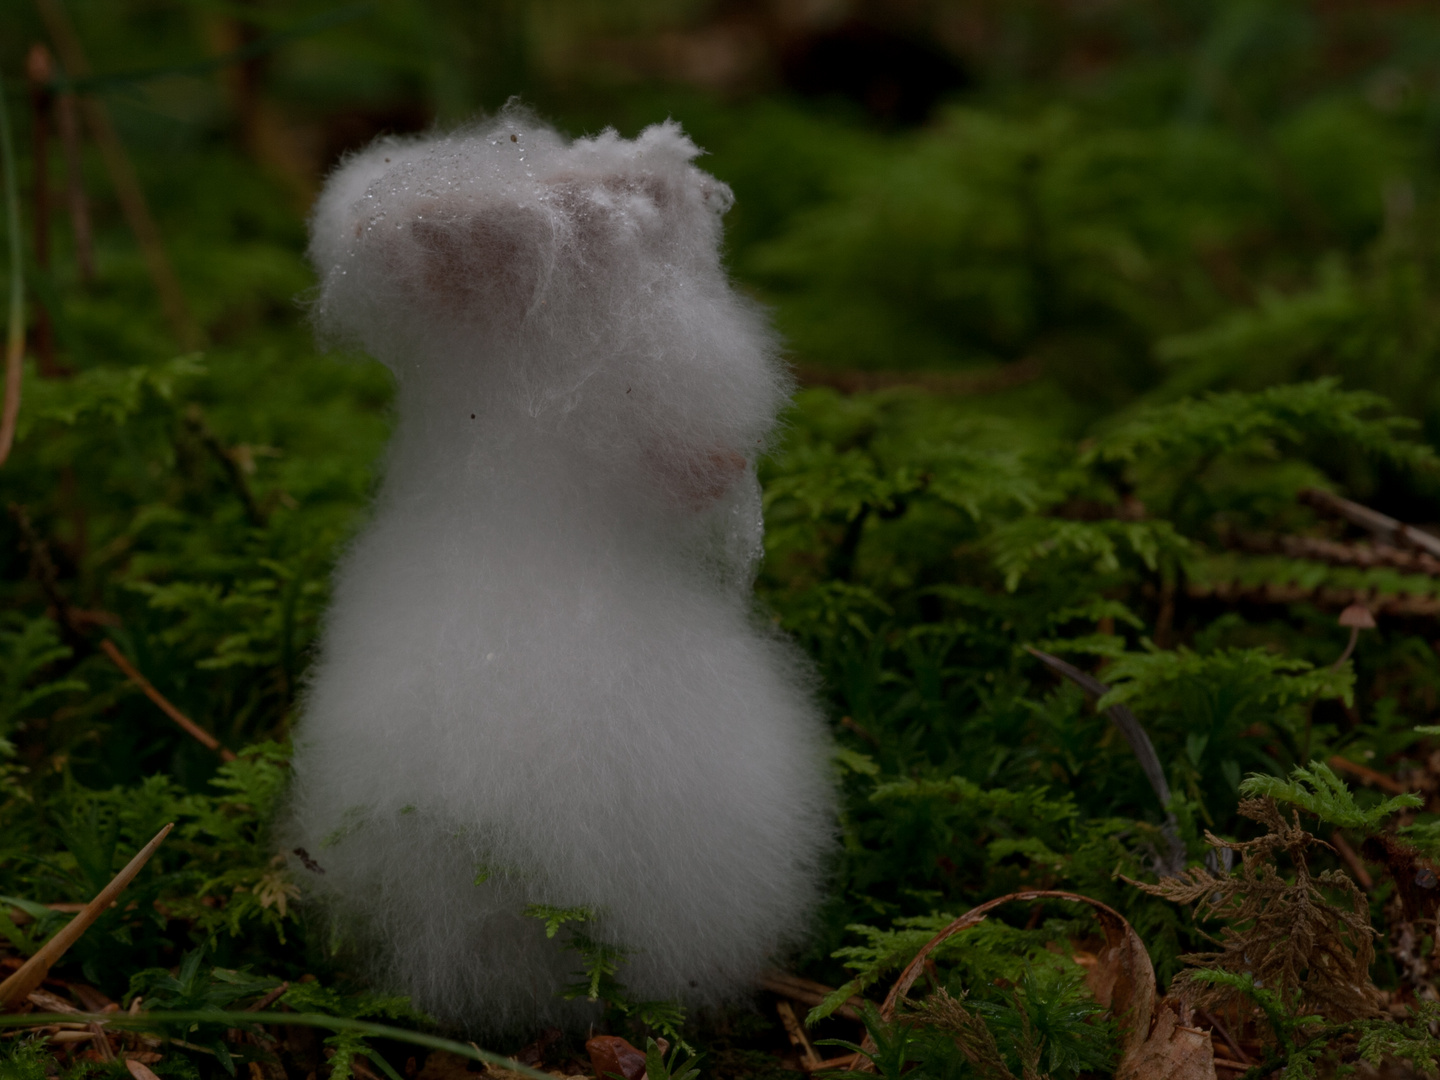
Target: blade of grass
x=1173 y=861
x=141 y=1021
x=194 y=730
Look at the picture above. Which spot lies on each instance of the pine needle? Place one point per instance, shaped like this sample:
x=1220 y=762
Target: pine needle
x=29 y=976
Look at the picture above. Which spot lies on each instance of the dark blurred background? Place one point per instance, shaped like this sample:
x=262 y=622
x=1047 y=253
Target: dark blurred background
x=1115 y=198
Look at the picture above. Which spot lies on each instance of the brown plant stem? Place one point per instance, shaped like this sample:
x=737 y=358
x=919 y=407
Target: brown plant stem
x=1334 y=552
x=1325 y=596
x=80 y=235
x=1352 y=861
x=809 y=1059
x=194 y=730
x=39 y=73
x=1223 y=1032
x=807 y=992
x=42 y=566
x=1369 y=775
x=195 y=421
x=15 y=336
x=270 y=998
x=1382 y=526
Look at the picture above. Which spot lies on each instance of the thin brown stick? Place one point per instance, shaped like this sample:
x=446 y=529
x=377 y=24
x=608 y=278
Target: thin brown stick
x=851 y=723
x=269 y=999
x=28 y=978
x=809 y=1060
x=195 y=421
x=15 y=307
x=1224 y=1033
x=39 y=72
x=80 y=234
x=42 y=566
x=10 y=414
x=122 y=175
x=807 y=992
x=1335 y=552
x=1352 y=861
x=1235 y=592
x=1369 y=775
x=1130 y=727
x=102 y=1043
x=1382 y=526
x=194 y=730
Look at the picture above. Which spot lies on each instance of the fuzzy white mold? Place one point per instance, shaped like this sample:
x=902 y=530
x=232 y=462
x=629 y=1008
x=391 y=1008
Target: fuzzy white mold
x=541 y=680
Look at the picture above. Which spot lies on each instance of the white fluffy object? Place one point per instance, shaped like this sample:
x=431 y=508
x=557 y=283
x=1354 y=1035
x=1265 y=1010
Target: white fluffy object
x=541 y=680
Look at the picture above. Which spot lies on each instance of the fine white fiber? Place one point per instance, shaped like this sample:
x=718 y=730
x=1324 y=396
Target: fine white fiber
x=542 y=679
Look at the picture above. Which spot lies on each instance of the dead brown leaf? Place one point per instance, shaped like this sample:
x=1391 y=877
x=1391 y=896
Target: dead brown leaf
x=443 y=1065
x=1172 y=1052
x=612 y=1056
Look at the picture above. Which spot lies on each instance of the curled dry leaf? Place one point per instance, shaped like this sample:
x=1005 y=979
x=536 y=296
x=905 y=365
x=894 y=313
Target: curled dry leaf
x=1122 y=980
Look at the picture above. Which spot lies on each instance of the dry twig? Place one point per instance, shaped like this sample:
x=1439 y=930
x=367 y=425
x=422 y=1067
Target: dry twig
x=806 y=992
x=80 y=235
x=27 y=979
x=195 y=421
x=43 y=567
x=194 y=730
x=1385 y=528
x=809 y=1059
x=1335 y=553
x=1368 y=775
x=1325 y=596
x=15 y=336
x=42 y=110
x=1352 y=861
